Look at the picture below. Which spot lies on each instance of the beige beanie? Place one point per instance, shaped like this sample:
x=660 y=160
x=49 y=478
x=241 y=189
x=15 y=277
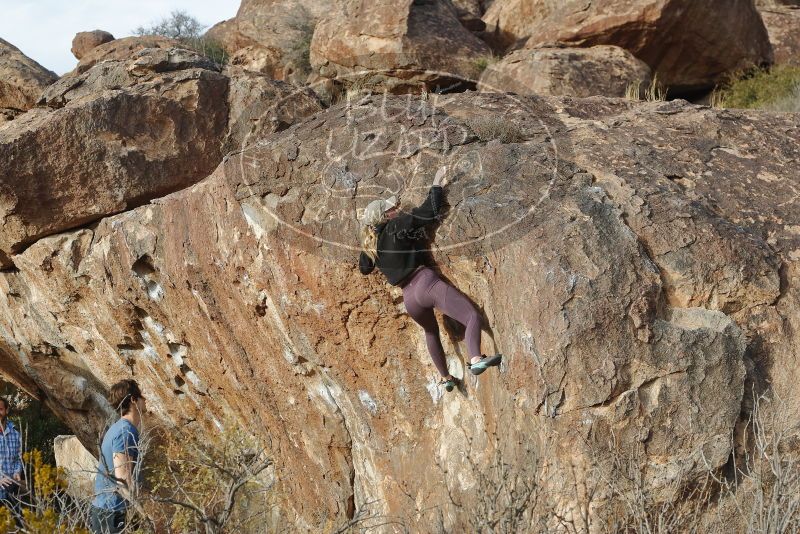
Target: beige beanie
x=373 y=214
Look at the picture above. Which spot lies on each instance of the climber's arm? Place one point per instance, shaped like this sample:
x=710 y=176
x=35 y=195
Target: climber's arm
x=427 y=212
x=365 y=264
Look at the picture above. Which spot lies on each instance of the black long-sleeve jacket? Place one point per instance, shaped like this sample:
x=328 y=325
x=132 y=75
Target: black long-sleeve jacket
x=402 y=241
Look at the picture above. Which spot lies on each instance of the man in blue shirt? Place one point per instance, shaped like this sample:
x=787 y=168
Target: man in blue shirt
x=10 y=459
x=115 y=482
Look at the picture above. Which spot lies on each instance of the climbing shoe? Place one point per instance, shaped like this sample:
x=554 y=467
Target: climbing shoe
x=448 y=383
x=484 y=363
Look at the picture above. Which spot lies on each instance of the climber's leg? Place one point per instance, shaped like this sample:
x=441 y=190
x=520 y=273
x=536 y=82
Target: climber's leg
x=424 y=316
x=456 y=305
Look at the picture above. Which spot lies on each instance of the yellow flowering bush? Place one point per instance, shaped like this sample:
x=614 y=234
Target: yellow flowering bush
x=47 y=480
x=44 y=511
x=6 y=520
x=48 y=522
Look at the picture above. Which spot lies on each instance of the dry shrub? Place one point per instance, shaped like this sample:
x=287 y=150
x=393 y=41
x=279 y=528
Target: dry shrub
x=655 y=92
x=186 y=29
x=6 y=520
x=188 y=485
x=789 y=104
x=758 y=491
x=45 y=506
x=212 y=486
x=510 y=492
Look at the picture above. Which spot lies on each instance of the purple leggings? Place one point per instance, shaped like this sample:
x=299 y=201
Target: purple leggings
x=426 y=291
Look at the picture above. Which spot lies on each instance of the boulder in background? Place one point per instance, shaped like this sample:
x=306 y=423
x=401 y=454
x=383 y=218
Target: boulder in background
x=689 y=44
x=401 y=47
x=85 y=41
x=570 y=71
x=79 y=464
x=22 y=79
x=783 y=25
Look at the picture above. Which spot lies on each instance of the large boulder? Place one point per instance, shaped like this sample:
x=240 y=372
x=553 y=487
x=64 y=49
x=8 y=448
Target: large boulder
x=127 y=131
x=144 y=66
x=632 y=273
x=558 y=70
x=783 y=25
x=79 y=465
x=85 y=41
x=469 y=14
x=259 y=105
x=689 y=44
x=119 y=135
x=122 y=49
x=22 y=80
x=272 y=36
x=398 y=46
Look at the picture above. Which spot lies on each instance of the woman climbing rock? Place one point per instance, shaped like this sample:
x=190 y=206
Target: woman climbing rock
x=396 y=243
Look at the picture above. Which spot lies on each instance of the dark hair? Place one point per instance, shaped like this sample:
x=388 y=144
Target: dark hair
x=123 y=394
x=5 y=402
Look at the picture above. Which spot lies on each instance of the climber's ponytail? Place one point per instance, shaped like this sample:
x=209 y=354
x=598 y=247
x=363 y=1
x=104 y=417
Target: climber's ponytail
x=369 y=242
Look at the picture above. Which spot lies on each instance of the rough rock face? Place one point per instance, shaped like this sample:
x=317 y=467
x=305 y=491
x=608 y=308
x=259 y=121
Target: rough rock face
x=8 y=114
x=468 y=7
x=599 y=70
x=85 y=41
x=125 y=132
x=783 y=25
x=259 y=105
x=22 y=80
x=405 y=45
x=628 y=268
x=272 y=36
x=122 y=133
x=691 y=44
x=773 y=3
x=139 y=68
x=469 y=14
x=121 y=49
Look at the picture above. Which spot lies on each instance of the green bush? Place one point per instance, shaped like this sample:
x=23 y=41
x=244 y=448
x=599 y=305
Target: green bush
x=776 y=89
x=482 y=62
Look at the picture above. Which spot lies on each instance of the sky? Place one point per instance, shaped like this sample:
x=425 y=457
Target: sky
x=43 y=29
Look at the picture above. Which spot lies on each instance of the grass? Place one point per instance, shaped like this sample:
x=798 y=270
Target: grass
x=482 y=62
x=789 y=103
x=775 y=89
x=655 y=92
